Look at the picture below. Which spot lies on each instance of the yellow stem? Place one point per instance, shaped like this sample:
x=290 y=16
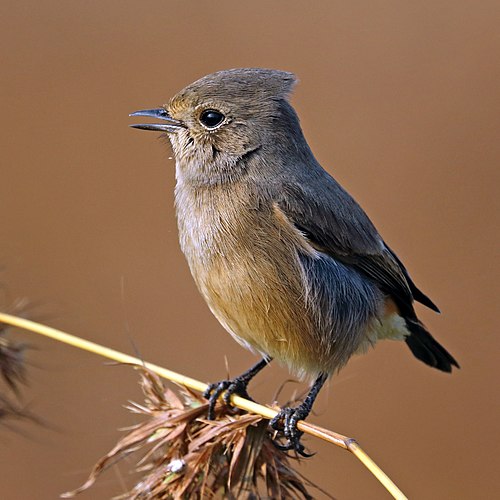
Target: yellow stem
x=250 y=406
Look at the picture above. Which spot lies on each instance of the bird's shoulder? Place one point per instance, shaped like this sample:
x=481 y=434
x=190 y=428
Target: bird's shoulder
x=320 y=207
x=335 y=224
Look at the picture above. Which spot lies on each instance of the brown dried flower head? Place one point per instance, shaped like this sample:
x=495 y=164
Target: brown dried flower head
x=183 y=455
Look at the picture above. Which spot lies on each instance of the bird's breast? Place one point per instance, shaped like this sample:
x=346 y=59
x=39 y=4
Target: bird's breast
x=245 y=262
x=269 y=287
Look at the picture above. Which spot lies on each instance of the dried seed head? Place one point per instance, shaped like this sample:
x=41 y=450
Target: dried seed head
x=183 y=455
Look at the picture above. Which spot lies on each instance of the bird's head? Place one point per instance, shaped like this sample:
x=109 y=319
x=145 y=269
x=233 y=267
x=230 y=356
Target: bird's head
x=217 y=122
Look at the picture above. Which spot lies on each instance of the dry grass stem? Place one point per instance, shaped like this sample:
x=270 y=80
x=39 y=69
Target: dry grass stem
x=239 y=402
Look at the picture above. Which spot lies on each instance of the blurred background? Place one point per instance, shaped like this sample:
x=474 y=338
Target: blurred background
x=399 y=101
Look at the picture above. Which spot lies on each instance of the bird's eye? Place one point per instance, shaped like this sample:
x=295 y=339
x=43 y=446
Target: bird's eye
x=211 y=118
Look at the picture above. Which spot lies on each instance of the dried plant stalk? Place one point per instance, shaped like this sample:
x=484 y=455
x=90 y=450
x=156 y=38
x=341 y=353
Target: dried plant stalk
x=237 y=401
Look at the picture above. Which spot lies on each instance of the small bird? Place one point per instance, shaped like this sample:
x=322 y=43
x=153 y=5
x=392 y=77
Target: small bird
x=285 y=258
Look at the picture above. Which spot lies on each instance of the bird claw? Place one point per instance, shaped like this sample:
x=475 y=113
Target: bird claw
x=285 y=422
x=236 y=386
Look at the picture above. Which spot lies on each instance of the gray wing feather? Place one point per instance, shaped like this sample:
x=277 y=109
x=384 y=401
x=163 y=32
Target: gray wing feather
x=336 y=225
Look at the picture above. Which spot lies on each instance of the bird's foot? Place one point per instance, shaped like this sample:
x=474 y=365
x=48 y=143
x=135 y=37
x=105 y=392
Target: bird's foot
x=285 y=422
x=236 y=386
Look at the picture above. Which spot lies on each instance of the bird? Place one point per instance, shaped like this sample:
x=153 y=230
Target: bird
x=287 y=260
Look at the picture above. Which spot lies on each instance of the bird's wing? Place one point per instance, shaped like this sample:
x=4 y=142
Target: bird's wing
x=335 y=224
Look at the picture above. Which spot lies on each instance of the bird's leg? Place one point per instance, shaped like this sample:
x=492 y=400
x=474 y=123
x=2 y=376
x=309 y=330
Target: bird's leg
x=237 y=385
x=286 y=420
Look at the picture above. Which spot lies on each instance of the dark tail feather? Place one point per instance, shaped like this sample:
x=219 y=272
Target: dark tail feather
x=426 y=349
x=420 y=296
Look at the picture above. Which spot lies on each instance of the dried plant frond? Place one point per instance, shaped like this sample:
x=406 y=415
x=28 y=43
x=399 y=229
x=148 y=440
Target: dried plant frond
x=12 y=361
x=12 y=353
x=11 y=413
x=8 y=409
x=183 y=455
x=13 y=367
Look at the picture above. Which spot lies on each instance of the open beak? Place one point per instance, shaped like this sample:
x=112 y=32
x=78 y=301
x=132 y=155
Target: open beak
x=171 y=125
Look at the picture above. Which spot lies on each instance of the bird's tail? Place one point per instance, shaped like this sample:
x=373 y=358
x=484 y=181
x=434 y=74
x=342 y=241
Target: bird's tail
x=424 y=347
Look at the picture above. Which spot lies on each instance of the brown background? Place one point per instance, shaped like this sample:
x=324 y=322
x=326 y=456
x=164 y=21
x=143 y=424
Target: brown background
x=400 y=100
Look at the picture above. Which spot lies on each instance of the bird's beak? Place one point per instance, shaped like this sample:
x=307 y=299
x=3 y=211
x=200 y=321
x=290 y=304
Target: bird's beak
x=172 y=125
